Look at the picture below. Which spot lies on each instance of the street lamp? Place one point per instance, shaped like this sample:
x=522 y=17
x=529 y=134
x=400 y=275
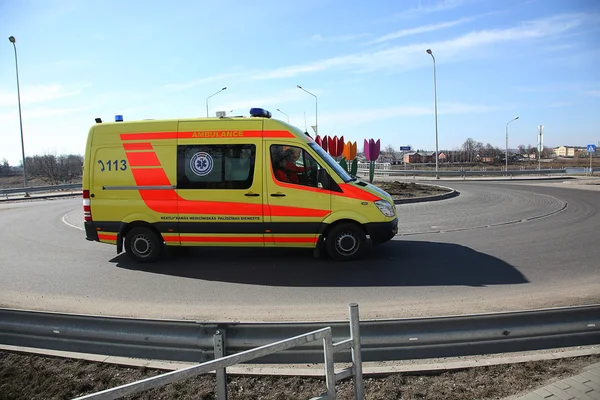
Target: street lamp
x=316 y=109
x=288 y=117
x=212 y=96
x=437 y=176
x=12 y=40
x=506 y=155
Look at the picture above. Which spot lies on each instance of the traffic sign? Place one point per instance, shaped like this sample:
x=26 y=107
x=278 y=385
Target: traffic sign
x=591 y=148
x=404 y=148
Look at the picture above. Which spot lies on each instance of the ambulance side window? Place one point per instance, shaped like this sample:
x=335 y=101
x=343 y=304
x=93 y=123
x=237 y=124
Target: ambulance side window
x=215 y=166
x=294 y=165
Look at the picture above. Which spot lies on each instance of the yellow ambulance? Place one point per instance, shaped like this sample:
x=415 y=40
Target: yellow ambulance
x=228 y=181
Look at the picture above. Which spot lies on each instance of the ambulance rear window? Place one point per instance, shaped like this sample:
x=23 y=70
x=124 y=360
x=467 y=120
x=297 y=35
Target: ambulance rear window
x=215 y=166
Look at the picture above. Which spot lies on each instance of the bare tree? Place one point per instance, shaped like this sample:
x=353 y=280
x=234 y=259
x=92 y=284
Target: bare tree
x=391 y=152
x=55 y=170
x=546 y=152
x=4 y=167
x=469 y=147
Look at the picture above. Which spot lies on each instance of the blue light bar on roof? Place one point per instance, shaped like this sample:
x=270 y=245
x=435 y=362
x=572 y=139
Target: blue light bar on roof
x=260 y=112
x=118 y=118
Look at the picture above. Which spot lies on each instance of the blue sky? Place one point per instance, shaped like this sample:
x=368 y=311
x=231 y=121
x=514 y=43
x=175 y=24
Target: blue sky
x=365 y=61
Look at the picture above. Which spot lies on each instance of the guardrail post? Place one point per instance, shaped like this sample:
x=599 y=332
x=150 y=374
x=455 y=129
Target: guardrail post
x=359 y=387
x=329 y=366
x=219 y=346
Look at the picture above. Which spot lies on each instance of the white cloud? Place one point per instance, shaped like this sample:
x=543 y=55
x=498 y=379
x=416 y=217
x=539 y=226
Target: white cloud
x=340 y=38
x=553 y=87
x=39 y=113
x=366 y=115
x=434 y=7
x=208 y=79
x=274 y=100
x=419 y=29
x=36 y=94
x=411 y=56
x=559 y=104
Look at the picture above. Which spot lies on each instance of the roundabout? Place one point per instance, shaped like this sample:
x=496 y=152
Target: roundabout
x=498 y=246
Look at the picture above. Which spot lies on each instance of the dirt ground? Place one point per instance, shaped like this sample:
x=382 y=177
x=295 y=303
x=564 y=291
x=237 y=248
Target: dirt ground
x=406 y=190
x=24 y=376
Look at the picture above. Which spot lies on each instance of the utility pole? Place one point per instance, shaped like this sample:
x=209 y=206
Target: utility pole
x=13 y=40
x=540 y=146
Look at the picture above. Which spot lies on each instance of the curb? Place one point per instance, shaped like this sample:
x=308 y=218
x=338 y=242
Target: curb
x=372 y=369
x=452 y=193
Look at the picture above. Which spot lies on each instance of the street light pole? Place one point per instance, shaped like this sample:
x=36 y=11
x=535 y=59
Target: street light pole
x=288 y=117
x=316 y=109
x=13 y=40
x=212 y=96
x=437 y=176
x=506 y=154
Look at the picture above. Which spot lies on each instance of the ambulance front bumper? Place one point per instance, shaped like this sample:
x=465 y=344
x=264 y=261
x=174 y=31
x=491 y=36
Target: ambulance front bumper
x=381 y=232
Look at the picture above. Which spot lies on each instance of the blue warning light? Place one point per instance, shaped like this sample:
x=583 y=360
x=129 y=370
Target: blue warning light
x=260 y=112
x=118 y=118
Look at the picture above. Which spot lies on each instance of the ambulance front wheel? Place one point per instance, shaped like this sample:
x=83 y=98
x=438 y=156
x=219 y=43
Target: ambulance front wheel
x=346 y=242
x=142 y=244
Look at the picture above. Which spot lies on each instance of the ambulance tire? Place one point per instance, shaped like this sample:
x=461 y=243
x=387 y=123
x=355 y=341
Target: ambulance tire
x=143 y=244
x=346 y=242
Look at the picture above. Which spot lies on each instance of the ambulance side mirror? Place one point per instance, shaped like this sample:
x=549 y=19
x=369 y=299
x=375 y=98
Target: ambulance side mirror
x=323 y=179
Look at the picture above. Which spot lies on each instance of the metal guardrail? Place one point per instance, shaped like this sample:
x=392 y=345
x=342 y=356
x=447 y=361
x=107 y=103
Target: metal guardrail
x=398 y=339
x=361 y=171
x=415 y=172
x=39 y=189
x=220 y=363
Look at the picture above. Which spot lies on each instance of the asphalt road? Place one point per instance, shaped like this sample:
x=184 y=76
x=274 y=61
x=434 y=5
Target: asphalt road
x=496 y=247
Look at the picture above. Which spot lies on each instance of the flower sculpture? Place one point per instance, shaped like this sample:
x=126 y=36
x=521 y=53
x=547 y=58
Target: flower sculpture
x=349 y=154
x=335 y=146
x=372 y=150
x=322 y=142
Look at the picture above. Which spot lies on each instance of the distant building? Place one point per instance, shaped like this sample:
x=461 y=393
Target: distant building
x=567 y=151
x=412 y=157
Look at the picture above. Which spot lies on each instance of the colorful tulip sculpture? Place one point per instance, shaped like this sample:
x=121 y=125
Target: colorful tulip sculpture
x=347 y=151
x=335 y=146
x=322 y=142
x=349 y=154
x=372 y=150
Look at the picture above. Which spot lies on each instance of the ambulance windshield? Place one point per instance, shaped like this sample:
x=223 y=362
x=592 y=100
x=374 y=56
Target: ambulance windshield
x=331 y=162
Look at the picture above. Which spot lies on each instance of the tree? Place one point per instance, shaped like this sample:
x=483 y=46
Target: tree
x=471 y=148
x=390 y=151
x=4 y=167
x=55 y=170
x=546 y=152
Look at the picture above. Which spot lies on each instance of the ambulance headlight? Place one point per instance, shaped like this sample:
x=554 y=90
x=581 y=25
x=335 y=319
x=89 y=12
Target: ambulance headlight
x=386 y=208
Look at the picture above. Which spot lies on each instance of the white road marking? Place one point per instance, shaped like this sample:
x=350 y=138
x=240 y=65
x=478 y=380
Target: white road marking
x=71 y=225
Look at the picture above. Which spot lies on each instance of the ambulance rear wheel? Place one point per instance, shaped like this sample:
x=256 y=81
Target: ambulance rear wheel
x=346 y=242
x=142 y=244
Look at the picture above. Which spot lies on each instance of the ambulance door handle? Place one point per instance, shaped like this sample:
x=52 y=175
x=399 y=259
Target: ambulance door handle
x=278 y=194
x=252 y=194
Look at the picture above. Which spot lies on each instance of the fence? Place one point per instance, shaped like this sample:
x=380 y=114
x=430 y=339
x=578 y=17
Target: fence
x=387 y=171
x=221 y=362
x=40 y=189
